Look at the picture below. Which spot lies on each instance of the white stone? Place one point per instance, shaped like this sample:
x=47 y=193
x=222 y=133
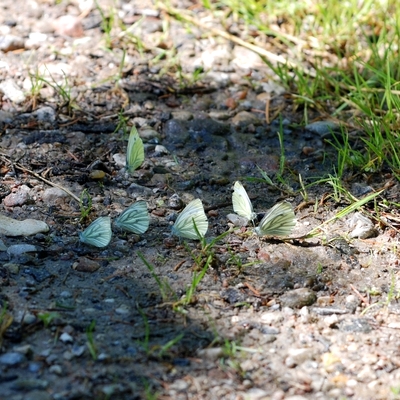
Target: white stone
x=27 y=227
x=66 y=338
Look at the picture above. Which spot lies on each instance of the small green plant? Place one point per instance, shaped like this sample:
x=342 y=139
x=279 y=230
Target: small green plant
x=232 y=355
x=48 y=317
x=196 y=279
x=236 y=260
x=303 y=189
x=203 y=260
x=167 y=346
x=36 y=87
x=167 y=293
x=107 y=23
x=393 y=294
x=90 y=340
x=122 y=124
x=282 y=158
x=283 y=187
x=63 y=90
x=395 y=391
x=319 y=269
x=354 y=206
x=145 y=343
x=6 y=320
x=85 y=204
x=148 y=392
x=154 y=351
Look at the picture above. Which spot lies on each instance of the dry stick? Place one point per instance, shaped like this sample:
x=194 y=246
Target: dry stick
x=20 y=167
x=218 y=32
x=362 y=298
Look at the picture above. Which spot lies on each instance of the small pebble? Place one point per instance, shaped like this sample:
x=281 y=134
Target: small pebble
x=12 y=268
x=77 y=351
x=56 y=369
x=24 y=349
x=18 y=249
x=271 y=318
x=103 y=357
x=11 y=43
x=66 y=338
x=69 y=25
x=322 y=128
x=123 y=310
x=12 y=358
x=210 y=354
x=180 y=385
x=29 y=384
x=3 y=247
x=53 y=195
x=13 y=92
x=35 y=366
x=244 y=119
x=298 y=298
x=331 y=320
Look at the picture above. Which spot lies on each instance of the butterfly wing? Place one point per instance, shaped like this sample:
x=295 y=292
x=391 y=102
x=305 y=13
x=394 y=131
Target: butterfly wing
x=98 y=233
x=134 y=151
x=192 y=214
x=278 y=221
x=135 y=218
x=241 y=202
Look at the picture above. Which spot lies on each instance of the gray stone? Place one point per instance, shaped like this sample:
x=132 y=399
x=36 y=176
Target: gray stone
x=355 y=325
x=122 y=310
x=176 y=132
x=361 y=226
x=237 y=220
x=298 y=298
x=298 y=356
x=37 y=395
x=18 y=249
x=29 y=384
x=244 y=119
x=12 y=358
x=45 y=114
x=322 y=128
x=56 y=369
x=18 y=198
x=3 y=247
x=11 y=43
x=51 y=195
x=66 y=338
x=149 y=134
x=27 y=227
x=210 y=354
x=12 y=91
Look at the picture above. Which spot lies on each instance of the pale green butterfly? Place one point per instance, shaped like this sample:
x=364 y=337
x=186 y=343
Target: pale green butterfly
x=135 y=218
x=134 y=151
x=241 y=202
x=98 y=233
x=278 y=221
x=192 y=214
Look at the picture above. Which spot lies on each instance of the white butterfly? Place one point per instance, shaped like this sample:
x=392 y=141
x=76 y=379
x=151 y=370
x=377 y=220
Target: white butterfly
x=241 y=202
x=135 y=218
x=278 y=221
x=192 y=214
x=134 y=151
x=98 y=233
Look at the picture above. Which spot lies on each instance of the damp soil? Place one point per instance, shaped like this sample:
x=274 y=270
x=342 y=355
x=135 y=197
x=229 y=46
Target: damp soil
x=270 y=319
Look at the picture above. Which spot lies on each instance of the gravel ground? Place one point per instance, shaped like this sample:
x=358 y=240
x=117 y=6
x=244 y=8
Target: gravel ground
x=271 y=319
